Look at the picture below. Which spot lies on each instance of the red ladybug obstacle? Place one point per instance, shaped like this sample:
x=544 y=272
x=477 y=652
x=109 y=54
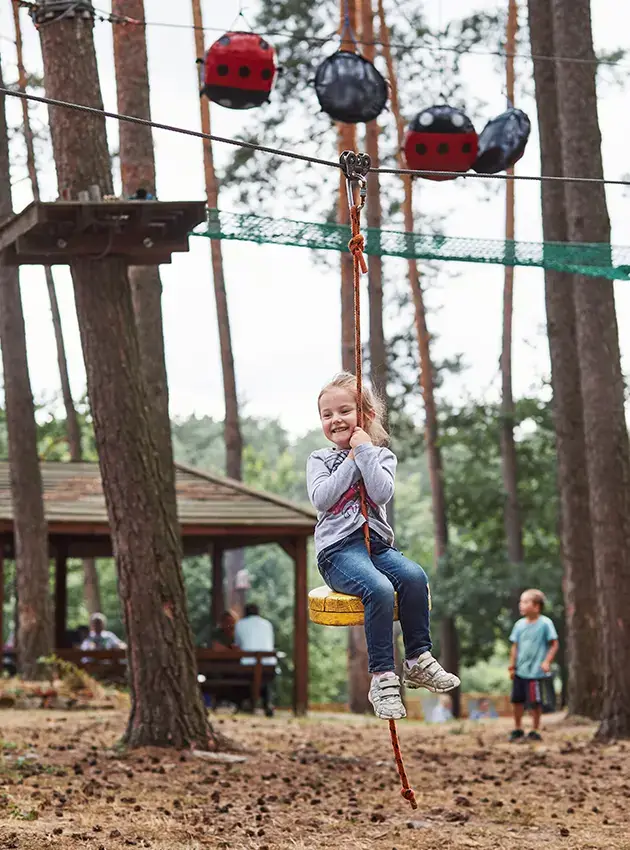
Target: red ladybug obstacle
x=441 y=138
x=240 y=69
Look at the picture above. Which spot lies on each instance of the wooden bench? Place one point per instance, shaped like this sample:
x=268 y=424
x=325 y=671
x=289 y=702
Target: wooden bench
x=220 y=673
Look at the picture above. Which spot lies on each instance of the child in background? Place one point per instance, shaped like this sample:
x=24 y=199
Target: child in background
x=534 y=646
x=333 y=476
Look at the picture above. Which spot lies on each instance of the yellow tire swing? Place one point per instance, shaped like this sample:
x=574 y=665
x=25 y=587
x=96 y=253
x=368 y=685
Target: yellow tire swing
x=329 y=608
x=326 y=606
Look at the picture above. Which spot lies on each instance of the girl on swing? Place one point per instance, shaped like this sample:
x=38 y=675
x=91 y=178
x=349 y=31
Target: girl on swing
x=333 y=476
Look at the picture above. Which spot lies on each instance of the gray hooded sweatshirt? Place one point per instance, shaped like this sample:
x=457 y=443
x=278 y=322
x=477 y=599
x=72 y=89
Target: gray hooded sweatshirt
x=332 y=479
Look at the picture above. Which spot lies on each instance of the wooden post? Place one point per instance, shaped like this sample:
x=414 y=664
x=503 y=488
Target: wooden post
x=512 y=510
x=61 y=593
x=217 y=604
x=300 y=634
x=1 y=597
x=346 y=140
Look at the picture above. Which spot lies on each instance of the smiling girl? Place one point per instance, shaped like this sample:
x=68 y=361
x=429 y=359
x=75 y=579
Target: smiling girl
x=333 y=476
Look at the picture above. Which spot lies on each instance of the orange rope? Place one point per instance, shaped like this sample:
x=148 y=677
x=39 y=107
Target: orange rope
x=355 y=247
x=406 y=791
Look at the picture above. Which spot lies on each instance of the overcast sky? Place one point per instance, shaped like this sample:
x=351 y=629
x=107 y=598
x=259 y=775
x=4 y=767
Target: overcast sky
x=285 y=331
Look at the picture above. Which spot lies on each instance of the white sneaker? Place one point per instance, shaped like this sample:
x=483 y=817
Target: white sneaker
x=429 y=673
x=384 y=695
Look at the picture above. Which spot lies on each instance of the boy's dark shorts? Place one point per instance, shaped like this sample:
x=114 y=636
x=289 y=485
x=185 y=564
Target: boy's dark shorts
x=533 y=693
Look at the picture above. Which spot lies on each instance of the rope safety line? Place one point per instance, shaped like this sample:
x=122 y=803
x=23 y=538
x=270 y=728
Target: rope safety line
x=241 y=143
x=356 y=167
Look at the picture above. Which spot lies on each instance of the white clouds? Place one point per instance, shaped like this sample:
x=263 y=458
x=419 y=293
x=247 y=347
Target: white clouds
x=284 y=311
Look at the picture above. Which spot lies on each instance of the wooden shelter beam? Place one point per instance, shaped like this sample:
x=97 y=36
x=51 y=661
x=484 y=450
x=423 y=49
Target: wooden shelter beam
x=218 y=597
x=1 y=599
x=300 y=637
x=61 y=592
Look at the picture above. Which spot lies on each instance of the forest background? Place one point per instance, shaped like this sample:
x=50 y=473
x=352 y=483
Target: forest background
x=269 y=306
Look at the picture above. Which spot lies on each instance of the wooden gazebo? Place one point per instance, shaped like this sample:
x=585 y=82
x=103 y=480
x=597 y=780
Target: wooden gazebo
x=215 y=514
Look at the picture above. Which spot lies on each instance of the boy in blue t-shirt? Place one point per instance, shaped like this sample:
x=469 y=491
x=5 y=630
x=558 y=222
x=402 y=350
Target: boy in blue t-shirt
x=534 y=646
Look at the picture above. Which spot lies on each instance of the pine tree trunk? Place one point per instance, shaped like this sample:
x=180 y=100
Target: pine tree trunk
x=30 y=531
x=137 y=167
x=72 y=423
x=166 y=705
x=373 y=216
x=448 y=629
x=346 y=141
x=602 y=384
x=511 y=512
x=234 y=560
x=73 y=431
x=233 y=437
x=580 y=594
x=91 y=586
x=358 y=675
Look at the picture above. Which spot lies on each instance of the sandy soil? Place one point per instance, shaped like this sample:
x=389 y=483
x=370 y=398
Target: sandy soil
x=325 y=782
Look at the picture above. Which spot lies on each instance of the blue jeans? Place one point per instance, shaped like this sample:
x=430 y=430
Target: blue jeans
x=347 y=568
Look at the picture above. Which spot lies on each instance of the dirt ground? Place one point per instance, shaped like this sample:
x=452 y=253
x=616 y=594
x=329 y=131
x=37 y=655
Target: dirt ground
x=325 y=782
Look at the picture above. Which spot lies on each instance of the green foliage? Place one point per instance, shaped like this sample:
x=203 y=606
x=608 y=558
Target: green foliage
x=476 y=583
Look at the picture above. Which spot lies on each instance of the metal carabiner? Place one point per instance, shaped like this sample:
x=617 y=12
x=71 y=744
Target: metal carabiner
x=355 y=167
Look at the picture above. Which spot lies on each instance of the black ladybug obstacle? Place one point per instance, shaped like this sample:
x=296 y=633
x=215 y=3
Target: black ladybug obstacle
x=349 y=88
x=239 y=70
x=502 y=142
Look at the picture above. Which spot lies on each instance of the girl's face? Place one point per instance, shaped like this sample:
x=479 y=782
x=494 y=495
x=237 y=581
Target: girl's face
x=338 y=414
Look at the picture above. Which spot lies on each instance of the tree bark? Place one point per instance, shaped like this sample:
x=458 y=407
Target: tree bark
x=166 y=705
x=373 y=216
x=90 y=576
x=137 y=167
x=346 y=141
x=91 y=586
x=35 y=636
x=448 y=628
x=511 y=511
x=602 y=385
x=580 y=593
x=358 y=675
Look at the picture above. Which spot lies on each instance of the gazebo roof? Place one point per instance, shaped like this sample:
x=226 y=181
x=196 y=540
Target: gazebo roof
x=208 y=505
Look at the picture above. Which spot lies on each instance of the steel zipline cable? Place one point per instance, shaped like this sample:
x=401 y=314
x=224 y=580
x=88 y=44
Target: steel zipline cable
x=241 y=143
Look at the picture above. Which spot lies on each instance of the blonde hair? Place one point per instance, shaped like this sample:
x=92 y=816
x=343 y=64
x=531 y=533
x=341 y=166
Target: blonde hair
x=373 y=406
x=537 y=597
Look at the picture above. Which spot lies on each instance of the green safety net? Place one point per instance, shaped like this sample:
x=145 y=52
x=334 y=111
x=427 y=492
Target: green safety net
x=595 y=260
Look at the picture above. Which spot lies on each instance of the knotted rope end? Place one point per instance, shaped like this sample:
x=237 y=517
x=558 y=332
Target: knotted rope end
x=409 y=795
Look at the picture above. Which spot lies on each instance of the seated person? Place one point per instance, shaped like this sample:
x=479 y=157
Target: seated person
x=223 y=636
x=485 y=710
x=99 y=637
x=442 y=711
x=255 y=634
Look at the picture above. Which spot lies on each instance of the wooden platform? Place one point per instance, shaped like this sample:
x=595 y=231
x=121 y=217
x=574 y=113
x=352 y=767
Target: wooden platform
x=143 y=233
